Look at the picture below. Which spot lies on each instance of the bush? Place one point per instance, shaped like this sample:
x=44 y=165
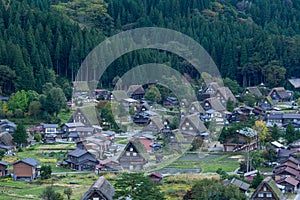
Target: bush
x=9 y=114
x=19 y=113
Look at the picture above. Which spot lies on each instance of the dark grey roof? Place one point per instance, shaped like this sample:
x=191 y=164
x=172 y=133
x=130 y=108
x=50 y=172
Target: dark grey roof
x=291 y=116
x=77 y=152
x=295 y=82
x=240 y=184
x=50 y=125
x=85 y=129
x=6 y=147
x=3 y=163
x=76 y=124
x=30 y=161
x=73 y=134
x=7 y=122
x=101 y=187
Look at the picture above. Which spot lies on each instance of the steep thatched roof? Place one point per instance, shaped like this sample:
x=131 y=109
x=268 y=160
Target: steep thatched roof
x=101 y=187
x=215 y=104
x=271 y=185
x=141 y=150
x=226 y=93
x=6 y=139
x=197 y=107
x=119 y=95
x=252 y=90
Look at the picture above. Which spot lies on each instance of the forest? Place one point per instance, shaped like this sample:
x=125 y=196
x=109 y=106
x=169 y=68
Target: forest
x=46 y=41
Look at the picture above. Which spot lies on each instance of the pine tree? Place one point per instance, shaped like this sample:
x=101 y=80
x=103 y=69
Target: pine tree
x=20 y=136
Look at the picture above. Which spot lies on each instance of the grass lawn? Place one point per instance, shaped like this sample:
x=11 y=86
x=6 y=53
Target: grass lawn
x=209 y=163
x=46 y=154
x=25 y=190
x=175 y=187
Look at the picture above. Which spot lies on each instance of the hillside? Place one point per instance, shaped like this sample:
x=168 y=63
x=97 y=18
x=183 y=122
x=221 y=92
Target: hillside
x=250 y=41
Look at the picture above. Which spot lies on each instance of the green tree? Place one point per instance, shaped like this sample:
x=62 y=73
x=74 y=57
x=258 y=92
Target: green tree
x=153 y=94
x=20 y=136
x=50 y=194
x=256 y=159
x=46 y=172
x=257 y=180
x=18 y=100
x=230 y=105
x=212 y=189
x=35 y=108
x=55 y=101
x=2 y=153
x=38 y=137
x=275 y=132
x=68 y=191
x=137 y=186
x=232 y=85
x=290 y=133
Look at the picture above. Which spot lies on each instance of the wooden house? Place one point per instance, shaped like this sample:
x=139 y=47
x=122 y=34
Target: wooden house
x=25 y=169
x=49 y=128
x=224 y=94
x=156 y=177
x=86 y=115
x=136 y=91
x=267 y=103
x=155 y=125
x=102 y=94
x=285 y=171
x=3 y=168
x=171 y=102
x=267 y=190
x=81 y=160
x=7 y=126
x=134 y=156
x=108 y=165
x=192 y=126
x=100 y=190
x=195 y=107
x=243 y=187
x=241 y=140
x=213 y=103
x=279 y=94
x=290 y=184
x=70 y=127
x=210 y=90
x=253 y=91
x=291 y=162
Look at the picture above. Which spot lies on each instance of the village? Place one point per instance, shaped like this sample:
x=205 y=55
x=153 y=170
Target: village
x=240 y=144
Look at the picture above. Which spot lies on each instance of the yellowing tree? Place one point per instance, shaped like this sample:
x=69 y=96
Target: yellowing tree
x=261 y=129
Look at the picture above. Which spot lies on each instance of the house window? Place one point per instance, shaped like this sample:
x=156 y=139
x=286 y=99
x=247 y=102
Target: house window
x=134 y=154
x=187 y=123
x=127 y=153
x=95 y=198
x=265 y=188
x=269 y=194
x=260 y=194
x=131 y=149
x=183 y=128
x=191 y=128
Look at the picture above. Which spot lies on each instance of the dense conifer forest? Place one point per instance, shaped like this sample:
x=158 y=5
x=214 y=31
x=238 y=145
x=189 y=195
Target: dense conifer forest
x=44 y=41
